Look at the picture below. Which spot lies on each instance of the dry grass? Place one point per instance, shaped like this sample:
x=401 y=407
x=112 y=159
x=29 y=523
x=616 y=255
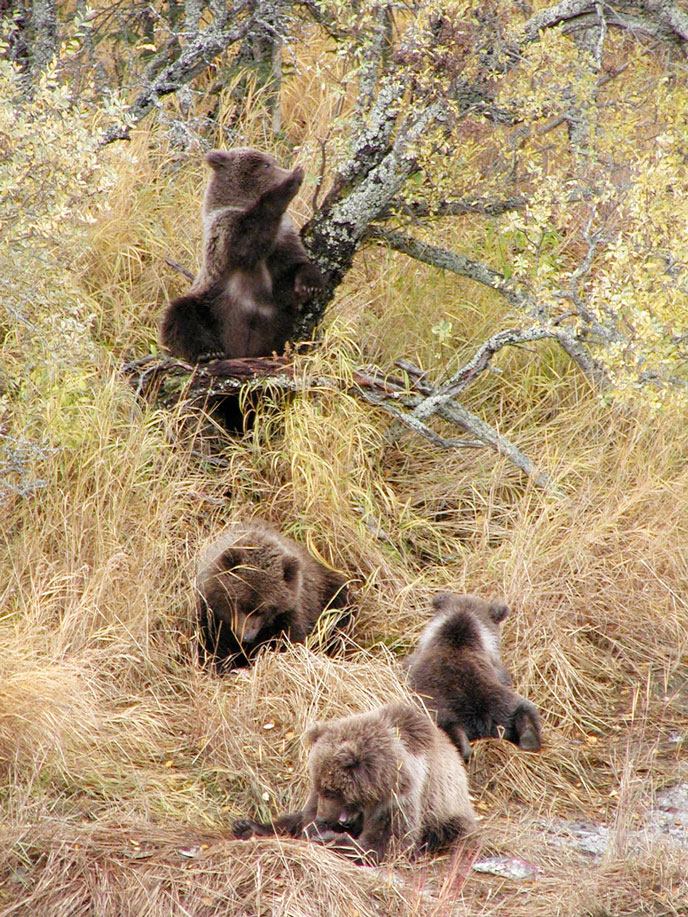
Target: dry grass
x=123 y=764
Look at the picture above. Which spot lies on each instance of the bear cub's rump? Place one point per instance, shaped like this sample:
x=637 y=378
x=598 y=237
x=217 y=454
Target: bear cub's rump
x=255 y=585
x=255 y=273
x=380 y=783
x=458 y=670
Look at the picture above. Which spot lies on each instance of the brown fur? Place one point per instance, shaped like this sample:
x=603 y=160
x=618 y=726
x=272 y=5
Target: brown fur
x=255 y=585
x=458 y=671
x=381 y=782
x=255 y=272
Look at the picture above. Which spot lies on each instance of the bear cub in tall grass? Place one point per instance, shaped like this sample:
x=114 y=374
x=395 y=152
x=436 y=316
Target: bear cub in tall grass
x=380 y=783
x=458 y=670
x=255 y=272
x=254 y=586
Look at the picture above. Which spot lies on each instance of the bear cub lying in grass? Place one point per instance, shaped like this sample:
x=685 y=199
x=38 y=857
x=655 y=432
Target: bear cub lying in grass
x=254 y=586
x=381 y=783
x=459 y=673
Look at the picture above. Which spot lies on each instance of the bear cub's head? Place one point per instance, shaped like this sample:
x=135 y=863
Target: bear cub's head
x=249 y=587
x=353 y=766
x=460 y=615
x=240 y=177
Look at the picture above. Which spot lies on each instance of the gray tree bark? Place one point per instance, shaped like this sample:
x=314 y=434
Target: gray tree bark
x=44 y=38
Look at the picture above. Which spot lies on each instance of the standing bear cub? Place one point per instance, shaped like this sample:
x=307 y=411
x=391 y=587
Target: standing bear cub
x=255 y=272
x=381 y=783
x=255 y=585
x=458 y=671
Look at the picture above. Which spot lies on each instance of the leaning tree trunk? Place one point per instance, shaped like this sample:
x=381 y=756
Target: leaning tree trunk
x=380 y=164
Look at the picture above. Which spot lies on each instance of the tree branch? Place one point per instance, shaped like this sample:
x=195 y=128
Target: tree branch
x=182 y=270
x=199 y=384
x=376 y=172
x=479 y=362
x=669 y=18
x=44 y=38
x=194 y=58
x=553 y=15
x=381 y=401
x=459 y=264
x=475 y=270
x=669 y=15
x=483 y=207
x=461 y=417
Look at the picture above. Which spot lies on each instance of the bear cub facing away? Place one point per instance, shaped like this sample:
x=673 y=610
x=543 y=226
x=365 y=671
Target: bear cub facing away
x=255 y=585
x=255 y=272
x=380 y=783
x=457 y=669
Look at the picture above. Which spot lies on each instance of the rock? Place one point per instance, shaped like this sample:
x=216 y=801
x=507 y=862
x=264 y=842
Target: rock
x=509 y=867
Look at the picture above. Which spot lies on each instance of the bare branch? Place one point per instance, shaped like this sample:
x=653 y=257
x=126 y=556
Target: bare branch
x=194 y=58
x=376 y=172
x=182 y=270
x=198 y=384
x=412 y=423
x=553 y=15
x=375 y=55
x=520 y=299
x=459 y=264
x=662 y=18
x=480 y=361
x=322 y=143
x=483 y=207
x=193 y=10
x=44 y=35
x=461 y=417
x=599 y=45
x=669 y=15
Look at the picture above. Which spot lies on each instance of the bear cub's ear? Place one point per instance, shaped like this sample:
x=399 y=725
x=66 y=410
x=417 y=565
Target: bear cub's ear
x=349 y=755
x=312 y=735
x=229 y=559
x=290 y=568
x=498 y=611
x=441 y=600
x=216 y=159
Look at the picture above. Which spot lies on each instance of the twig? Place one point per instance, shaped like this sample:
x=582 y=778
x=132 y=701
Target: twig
x=322 y=143
x=182 y=270
x=459 y=264
x=417 y=426
x=195 y=56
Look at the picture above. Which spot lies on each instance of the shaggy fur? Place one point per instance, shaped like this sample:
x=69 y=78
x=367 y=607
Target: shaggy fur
x=255 y=273
x=458 y=671
x=381 y=783
x=254 y=586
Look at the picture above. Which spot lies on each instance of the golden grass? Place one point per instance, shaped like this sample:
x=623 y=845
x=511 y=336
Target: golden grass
x=123 y=764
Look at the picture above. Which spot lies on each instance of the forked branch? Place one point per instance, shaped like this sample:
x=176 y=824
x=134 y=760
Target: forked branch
x=165 y=379
x=514 y=294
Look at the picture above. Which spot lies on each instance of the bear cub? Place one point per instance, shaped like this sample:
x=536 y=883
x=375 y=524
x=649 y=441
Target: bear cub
x=457 y=669
x=255 y=273
x=380 y=783
x=255 y=585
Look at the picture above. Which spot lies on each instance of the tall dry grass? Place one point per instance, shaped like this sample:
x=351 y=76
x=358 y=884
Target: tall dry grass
x=123 y=764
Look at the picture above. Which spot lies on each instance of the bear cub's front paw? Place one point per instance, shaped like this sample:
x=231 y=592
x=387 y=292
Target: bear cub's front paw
x=308 y=281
